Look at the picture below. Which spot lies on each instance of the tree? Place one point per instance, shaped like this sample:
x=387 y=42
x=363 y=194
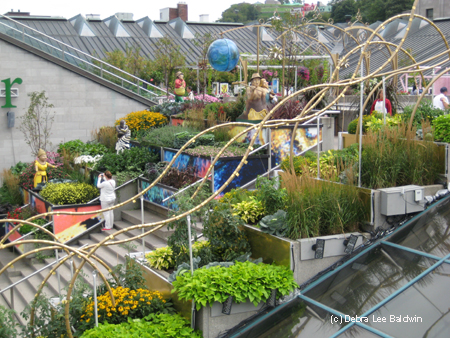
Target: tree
x=240 y=13
x=342 y=8
x=37 y=122
x=203 y=41
x=394 y=7
x=168 y=57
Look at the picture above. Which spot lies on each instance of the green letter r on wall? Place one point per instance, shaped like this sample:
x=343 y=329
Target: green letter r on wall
x=8 y=85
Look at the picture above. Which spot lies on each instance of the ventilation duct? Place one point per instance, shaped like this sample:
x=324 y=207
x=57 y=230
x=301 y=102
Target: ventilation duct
x=181 y=28
x=81 y=26
x=116 y=27
x=149 y=28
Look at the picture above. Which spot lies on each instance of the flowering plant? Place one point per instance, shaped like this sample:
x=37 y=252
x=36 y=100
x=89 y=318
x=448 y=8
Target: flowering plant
x=269 y=75
x=26 y=178
x=54 y=159
x=129 y=304
x=207 y=98
x=143 y=119
x=303 y=72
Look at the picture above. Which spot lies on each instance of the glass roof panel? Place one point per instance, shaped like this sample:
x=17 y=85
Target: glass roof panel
x=422 y=310
x=296 y=319
x=430 y=233
x=371 y=278
x=357 y=331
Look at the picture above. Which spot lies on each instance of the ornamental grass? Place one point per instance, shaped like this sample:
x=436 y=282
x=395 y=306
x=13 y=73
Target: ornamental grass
x=142 y=120
x=129 y=304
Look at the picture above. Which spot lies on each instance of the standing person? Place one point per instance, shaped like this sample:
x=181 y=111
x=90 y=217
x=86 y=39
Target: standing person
x=441 y=101
x=378 y=104
x=107 y=197
x=190 y=93
x=180 y=86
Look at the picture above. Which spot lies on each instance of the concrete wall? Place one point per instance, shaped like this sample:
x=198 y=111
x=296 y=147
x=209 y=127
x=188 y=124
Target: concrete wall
x=81 y=105
x=441 y=8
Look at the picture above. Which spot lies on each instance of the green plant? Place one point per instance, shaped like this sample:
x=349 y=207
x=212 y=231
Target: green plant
x=271 y=196
x=10 y=191
x=80 y=148
x=125 y=176
x=37 y=122
x=18 y=168
x=8 y=324
x=250 y=211
x=155 y=325
x=133 y=159
x=69 y=193
x=275 y=224
x=376 y=121
x=354 y=125
x=212 y=151
x=442 y=128
x=142 y=120
x=425 y=111
x=106 y=136
x=222 y=229
x=161 y=258
x=163 y=136
x=235 y=196
x=243 y=281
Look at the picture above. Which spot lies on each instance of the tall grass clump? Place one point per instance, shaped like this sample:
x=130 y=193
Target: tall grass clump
x=320 y=208
x=163 y=136
x=106 y=136
x=10 y=191
x=393 y=157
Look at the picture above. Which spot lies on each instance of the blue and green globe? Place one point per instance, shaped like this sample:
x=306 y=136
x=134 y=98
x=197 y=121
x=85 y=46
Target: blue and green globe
x=223 y=55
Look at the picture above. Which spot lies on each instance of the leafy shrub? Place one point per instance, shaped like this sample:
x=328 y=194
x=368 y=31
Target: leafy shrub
x=273 y=198
x=18 y=168
x=8 y=325
x=163 y=136
x=212 y=151
x=180 y=139
x=250 y=211
x=235 y=196
x=301 y=163
x=227 y=240
x=425 y=111
x=10 y=191
x=81 y=148
x=217 y=283
x=168 y=108
x=130 y=304
x=155 y=325
x=161 y=258
x=352 y=126
x=133 y=159
x=69 y=193
x=275 y=224
x=26 y=178
x=442 y=128
x=175 y=178
x=376 y=121
x=141 y=120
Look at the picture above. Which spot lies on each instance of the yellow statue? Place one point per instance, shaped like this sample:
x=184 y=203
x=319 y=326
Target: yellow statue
x=40 y=165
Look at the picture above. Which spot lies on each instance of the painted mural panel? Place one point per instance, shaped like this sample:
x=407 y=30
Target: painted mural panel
x=224 y=168
x=305 y=137
x=201 y=164
x=156 y=194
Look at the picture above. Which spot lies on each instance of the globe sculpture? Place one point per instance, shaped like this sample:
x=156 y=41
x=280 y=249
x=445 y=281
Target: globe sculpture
x=223 y=55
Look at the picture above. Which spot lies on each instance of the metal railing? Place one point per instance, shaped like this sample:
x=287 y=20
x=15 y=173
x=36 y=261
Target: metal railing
x=75 y=56
x=117 y=188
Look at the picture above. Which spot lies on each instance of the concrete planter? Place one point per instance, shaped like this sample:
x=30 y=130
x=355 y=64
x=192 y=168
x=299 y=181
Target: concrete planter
x=298 y=255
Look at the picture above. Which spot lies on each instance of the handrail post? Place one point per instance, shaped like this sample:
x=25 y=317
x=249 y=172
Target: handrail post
x=270 y=150
x=94 y=277
x=142 y=222
x=12 y=298
x=101 y=70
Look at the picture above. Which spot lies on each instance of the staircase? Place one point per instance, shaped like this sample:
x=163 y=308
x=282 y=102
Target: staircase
x=112 y=255
x=78 y=61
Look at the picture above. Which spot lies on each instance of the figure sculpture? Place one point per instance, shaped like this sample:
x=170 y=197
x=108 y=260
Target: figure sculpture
x=257 y=100
x=180 y=86
x=123 y=137
x=40 y=165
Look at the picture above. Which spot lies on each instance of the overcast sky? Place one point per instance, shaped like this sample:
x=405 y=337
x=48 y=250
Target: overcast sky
x=107 y=8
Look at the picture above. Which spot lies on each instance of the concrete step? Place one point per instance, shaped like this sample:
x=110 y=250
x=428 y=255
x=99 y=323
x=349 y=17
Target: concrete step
x=151 y=241
x=134 y=217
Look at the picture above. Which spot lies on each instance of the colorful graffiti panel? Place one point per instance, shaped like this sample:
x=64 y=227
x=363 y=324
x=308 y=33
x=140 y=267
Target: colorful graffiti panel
x=261 y=139
x=224 y=168
x=156 y=194
x=305 y=137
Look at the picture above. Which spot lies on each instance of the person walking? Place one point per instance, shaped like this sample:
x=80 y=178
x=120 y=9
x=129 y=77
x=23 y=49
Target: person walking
x=441 y=101
x=107 y=197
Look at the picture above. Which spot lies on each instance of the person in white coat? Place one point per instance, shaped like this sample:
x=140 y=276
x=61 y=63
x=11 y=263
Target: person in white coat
x=107 y=197
x=441 y=101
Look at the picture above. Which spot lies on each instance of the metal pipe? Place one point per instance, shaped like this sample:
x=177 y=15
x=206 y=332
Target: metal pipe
x=318 y=145
x=58 y=275
x=94 y=276
x=384 y=100
x=257 y=49
x=269 y=148
x=361 y=122
x=12 y=298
